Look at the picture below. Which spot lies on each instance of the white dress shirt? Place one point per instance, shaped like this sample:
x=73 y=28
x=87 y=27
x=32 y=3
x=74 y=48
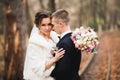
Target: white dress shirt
x=63 y=34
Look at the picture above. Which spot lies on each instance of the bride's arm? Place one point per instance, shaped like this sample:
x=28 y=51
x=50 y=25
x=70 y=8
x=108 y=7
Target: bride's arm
x=38 y=62
x=58 y=54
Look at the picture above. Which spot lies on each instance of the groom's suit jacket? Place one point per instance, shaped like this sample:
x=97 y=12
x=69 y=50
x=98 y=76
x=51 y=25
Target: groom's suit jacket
x=67 y=67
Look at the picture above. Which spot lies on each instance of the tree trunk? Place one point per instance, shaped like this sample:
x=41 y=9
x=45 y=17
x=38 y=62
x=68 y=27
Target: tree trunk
x=14 y=40
x=34 y=7
x=81 y=13
x=52 y=6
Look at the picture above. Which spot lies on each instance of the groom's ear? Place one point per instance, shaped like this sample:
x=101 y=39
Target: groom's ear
x=61 y=24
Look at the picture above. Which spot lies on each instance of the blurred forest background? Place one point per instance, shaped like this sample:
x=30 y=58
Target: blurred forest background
x=17 y=19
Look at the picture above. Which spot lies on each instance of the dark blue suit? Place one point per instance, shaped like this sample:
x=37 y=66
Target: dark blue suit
x=67 y=67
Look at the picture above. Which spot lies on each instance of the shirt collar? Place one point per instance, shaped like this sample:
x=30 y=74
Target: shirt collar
x=63 y=34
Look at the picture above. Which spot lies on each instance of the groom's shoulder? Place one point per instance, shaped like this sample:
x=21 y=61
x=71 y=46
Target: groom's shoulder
x=67 y=40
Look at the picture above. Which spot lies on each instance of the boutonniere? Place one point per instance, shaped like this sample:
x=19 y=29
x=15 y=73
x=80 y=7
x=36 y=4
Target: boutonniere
x=54 y=48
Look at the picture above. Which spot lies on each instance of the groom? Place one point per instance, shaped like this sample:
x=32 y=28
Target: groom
x=67 y=67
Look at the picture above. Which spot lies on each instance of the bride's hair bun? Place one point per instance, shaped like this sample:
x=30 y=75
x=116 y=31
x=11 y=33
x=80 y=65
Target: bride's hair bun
x=40 y=15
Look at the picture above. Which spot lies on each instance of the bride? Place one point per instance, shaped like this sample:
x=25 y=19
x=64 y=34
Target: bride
x=39 y=62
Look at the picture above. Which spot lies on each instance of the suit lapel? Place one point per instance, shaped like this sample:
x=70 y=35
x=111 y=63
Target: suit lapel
x=65 y=36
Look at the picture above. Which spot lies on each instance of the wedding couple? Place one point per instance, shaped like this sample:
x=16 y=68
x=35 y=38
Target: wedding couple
x=40 y=62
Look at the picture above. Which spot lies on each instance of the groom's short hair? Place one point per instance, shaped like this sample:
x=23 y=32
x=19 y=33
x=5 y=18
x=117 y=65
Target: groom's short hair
x=61 y=15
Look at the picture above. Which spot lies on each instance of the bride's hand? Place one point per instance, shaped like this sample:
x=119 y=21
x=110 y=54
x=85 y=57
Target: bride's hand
x=59 y=53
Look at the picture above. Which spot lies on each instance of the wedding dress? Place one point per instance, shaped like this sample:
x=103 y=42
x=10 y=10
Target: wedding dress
x=37 y=54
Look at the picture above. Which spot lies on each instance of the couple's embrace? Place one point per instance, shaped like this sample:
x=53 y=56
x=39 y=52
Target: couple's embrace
x=40 y=62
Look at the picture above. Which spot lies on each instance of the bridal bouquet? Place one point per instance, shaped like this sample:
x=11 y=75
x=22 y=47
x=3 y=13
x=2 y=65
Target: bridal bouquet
x=85 y=39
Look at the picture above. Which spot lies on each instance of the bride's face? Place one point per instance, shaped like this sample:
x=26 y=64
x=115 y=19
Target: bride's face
x=45 y=27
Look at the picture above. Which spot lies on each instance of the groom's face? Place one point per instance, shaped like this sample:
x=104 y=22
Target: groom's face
x=56 y=26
